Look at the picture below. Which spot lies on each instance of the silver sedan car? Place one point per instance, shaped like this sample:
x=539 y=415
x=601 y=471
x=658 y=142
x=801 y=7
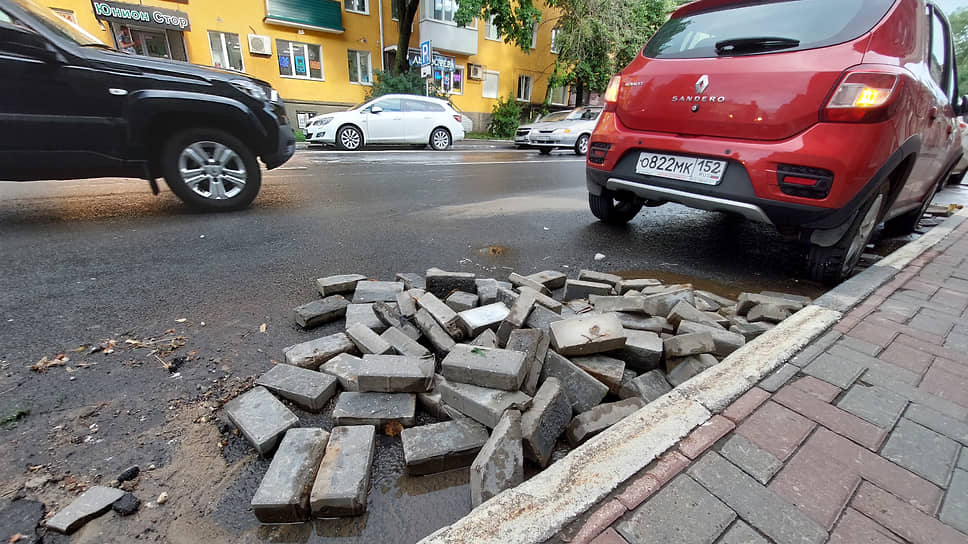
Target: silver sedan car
x=568 y=129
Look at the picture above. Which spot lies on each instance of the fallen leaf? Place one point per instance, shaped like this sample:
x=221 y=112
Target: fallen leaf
x=262 y=327
x=169 y=331
x=82 y=348
x=16 y=538
x=45 y=363
x=392 y=428
x=595 y=330
x=479 y=351
x=181 y=320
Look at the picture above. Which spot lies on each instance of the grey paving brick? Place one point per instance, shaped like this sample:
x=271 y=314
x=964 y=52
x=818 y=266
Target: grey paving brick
x=880 y=406
x=757 y=462
x=376 y=291
x=534 y=343
x=403 y=343
x=343 y=479
x=757 y=505
x=682 y=512
x=836 y=370
x=309 y=389
x=92 y=503
x=460 y=301
x=482 y=404
x=313 y=353
x=741 y=533
x=346 y=368
x=315 y=313
x=542 y=299
x=364 y=315
x=390 y=315
x=540 y=318
x=500 y=463
x=332 y=285
x=442 y=446
x=375 y=408
x=261 y=417
x=283 y=494
x=436 y=335
x=912 y=393
x=396 y=374
x=963 y=459
x=368 y=341
x=648 y=386
x=817 y=347
x=954 y=510
x=411 y=280
x=543 y=423
x=859 y=345
x=779 y=378
x=442 y=283
x=583 y=390
x=902 y=304
x=922 y=451
x=874 y=363
x=933 y=321
x=518 y=280
x=485 y=367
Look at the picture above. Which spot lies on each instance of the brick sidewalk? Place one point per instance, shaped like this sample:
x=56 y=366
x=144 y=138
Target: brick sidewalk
x=860 y=438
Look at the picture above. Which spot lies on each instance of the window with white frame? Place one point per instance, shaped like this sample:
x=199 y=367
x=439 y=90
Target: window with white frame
x=226 y=50
x=300 y=60
x=524 y=88
x=394 y=10
x=356 y=6
x=554 y=41
x=534 y=36
x=444 y=10
x=490 y=29
x=490 y=87
x=361 y=69
x=559 y=95
x=457 y=81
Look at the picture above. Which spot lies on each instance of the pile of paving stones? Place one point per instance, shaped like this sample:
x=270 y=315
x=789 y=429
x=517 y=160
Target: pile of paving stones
x=505 y=367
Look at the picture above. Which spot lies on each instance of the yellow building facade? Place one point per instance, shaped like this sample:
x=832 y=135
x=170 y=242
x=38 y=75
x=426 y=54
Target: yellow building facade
x=321 y=54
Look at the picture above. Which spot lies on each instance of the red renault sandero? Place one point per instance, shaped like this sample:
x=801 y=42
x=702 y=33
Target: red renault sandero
x=821 y=117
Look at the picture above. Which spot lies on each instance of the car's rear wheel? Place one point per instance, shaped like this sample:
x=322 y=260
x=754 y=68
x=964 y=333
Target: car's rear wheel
x=609 y=209
x=544 y=150
x=210 y=169
x=440 y=139
x=349 y=138
x=830 y=265
x=581 y=146
x=908 y=222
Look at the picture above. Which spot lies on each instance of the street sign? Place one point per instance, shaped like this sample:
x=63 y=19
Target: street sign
x=425 y=70
x=426 y=53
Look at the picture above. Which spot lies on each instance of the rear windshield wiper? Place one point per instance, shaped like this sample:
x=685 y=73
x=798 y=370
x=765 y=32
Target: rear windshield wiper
x=753 y=45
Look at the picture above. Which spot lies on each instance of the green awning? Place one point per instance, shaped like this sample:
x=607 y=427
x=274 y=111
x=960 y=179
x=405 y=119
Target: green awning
x=322 y=15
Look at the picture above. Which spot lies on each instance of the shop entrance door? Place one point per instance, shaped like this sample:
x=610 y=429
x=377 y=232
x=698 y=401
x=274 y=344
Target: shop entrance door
x=152 y=44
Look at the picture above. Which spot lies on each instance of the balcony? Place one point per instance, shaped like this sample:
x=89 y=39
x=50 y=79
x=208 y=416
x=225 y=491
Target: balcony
x=445 y=36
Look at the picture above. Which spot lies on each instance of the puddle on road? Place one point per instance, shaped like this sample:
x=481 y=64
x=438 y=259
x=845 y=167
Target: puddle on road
x=730 y=290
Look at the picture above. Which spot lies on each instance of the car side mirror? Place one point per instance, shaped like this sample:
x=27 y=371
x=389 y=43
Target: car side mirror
x=376 y=109
x=961 y=108
x=25 y=42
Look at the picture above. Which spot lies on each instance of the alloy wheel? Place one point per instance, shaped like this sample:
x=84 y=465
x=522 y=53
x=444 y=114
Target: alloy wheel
x=212 y=170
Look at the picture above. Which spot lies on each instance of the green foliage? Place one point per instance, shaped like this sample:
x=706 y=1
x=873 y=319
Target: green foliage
x=408 y=82
x=515 y=21
x=506 y=116
x=14 y=416
x=959 y=31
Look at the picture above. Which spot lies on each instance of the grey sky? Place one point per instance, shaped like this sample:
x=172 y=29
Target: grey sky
x=950 y=5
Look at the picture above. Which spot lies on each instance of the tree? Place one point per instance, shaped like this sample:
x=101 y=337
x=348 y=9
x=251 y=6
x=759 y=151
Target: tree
x=959 y=31
x=597 y=38
x=515 y=22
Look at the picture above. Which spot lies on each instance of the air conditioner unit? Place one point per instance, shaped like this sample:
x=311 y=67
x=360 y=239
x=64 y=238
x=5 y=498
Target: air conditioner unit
x=476 y=71
x=260 y=45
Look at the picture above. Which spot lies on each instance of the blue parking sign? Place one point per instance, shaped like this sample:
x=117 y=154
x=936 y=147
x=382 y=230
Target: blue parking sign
x=426 y=54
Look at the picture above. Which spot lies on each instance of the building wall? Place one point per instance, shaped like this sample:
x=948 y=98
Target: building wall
x=362 y=32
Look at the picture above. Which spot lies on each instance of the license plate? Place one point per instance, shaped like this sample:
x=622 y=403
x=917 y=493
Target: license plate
x=694 y=169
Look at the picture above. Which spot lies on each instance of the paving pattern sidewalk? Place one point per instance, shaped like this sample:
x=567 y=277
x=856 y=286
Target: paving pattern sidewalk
x=860 y=438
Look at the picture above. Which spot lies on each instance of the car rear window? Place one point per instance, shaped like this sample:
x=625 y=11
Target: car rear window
x=814 y=23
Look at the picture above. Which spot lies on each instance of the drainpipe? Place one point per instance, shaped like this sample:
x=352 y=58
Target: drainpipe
x=380 y=10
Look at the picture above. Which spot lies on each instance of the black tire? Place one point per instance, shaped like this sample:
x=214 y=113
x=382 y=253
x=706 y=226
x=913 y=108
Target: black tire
x=908 y=222
x=349 y=138
x=544 y=150
x=831 y=265
x=609 y=210
x=224 y=181
x=440 y=139
x=581 y=145
x=956 y=179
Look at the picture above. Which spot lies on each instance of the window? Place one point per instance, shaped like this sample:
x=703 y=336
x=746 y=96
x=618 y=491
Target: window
x=534 y=35
x=457 y=81
x=554 y=41
x=356 y=6
x=490 y=30
x=939 y=51
x=300 y=60
x=394 y=10
x=559 y=95
x=490 y=87
x=410 y=104
x=361 y=70
x=390 y=104
x=449 y=82
x=444 y=10
x=65 y=14
x=524 y=88
x=226 y=50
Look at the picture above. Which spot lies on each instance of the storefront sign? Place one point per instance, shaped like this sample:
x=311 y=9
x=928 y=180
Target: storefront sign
x=440 y=62
x=141 y=15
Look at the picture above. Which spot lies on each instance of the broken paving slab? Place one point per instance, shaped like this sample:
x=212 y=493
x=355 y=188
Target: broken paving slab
x=683 y=311
x=310 y=390
x=518 y=313
x=542 y=318
x=92 y=503
x=606 y=304
x=343 y=477
x=586 y=335
x=376 y=291
x=689 y=367
x=319 y=312
x=583 y=390
x=367 y=341
x=406 y=304
x=506 y=295
x=261 y=418
x=486 y=367
x=483 y=404
x=640 y=322
x=589 y=423
x=518 y=280
x=747 y=301
x=643 y=350
x=542 y=299
x=439 y=447
x=283 y=494
x=411 y=281
x=578 y=289
x=313 y=353
x=443 y=314
x=334 y=285
x=460 y=301
x=396 y=374
x=390 y=316
x=500 y=463
x=486 y=290
x=661 y=304
x=607 y=370
x=534 y=343
x=750 y=330
x=648 y=386
x=726 y=342
x=694 y=343
x=442 y=283
x=545 y=420
x=477 y=320
x=404 y=344
x=346 y=368
x=364 y=314
x=360 y=408
x=599 y=277
x=625 y=286
x=770 y=313
x=551 y=279
x=487 y=339
x=435 y=334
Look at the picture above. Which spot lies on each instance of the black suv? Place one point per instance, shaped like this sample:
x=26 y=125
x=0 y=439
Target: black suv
x=72 y=107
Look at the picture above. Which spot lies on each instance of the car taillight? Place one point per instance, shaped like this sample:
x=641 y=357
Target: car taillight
x=597 y=152
x=457 y=118
x=611 y=93
x=864 y=97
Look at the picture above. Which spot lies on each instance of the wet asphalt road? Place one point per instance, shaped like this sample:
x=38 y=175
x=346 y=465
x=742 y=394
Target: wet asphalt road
x=82 y=261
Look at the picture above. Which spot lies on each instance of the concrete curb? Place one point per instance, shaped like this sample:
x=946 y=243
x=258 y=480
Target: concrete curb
x=540 y=507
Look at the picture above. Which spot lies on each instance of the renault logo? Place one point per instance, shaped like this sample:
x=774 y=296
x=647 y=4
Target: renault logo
x=702 y=84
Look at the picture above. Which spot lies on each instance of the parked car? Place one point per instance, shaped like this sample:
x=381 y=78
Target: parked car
x=823 y=118
x=389 y=119
x=568 y=129
x=72 y=107
x=958 y=173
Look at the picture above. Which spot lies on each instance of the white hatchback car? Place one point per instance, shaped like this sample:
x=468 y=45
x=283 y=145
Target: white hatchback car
x=389 y=119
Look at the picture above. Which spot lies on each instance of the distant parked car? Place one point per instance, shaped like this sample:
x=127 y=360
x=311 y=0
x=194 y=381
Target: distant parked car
x=958 y=173
x=389 y=119
x=560 y=130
